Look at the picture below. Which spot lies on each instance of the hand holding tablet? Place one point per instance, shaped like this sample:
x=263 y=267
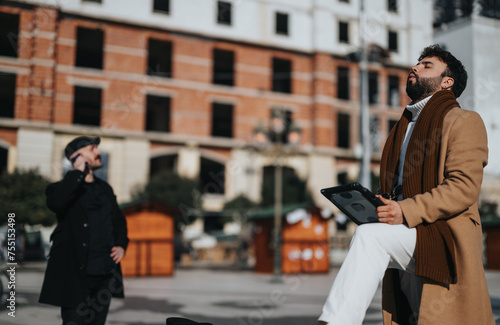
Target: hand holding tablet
x=355 y=201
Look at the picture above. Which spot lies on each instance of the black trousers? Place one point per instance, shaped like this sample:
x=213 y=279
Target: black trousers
x=94 y=309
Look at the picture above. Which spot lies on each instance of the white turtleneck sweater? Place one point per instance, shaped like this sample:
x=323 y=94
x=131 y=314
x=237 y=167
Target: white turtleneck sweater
x=415 y=109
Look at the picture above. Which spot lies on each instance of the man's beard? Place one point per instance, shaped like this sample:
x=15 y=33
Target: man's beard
x=422 y=87
x=97 y=166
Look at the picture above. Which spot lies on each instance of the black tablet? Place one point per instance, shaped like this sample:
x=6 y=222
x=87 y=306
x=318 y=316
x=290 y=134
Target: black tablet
x=355 y=201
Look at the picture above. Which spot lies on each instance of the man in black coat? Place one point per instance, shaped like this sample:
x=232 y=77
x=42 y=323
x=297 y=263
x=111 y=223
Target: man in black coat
x=83 y=270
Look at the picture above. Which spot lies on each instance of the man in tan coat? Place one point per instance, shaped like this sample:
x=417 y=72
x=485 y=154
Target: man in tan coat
x=427 y=245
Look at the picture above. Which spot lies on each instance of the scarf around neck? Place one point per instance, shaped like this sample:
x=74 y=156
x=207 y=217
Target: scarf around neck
x=435 y=248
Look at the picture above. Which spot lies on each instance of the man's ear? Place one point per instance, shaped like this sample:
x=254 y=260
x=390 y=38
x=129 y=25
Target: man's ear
x=447 y=83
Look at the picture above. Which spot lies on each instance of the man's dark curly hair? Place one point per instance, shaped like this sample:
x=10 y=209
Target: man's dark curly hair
x=455 y=69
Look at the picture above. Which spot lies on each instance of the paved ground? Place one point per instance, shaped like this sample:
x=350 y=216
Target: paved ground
x=219 y=296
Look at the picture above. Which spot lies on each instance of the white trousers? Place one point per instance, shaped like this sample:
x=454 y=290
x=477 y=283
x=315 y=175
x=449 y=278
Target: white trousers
x=374 y=248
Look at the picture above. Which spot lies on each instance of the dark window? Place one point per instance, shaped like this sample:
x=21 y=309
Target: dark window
x=393 y=41
x=393 y=91
x=224 y=13
x=281 y=23
x=158 y=113
x=222 y=120
x=163 y=164
x=343 y=178
x=282 y=75
x=373 y=87
x=392 y=123
x=343 y=83
x=347 y=1
x=4 y=154
x=160 y=58
x=213 y=222
x=9 y=34
x=162 y=6
x=96 y=1
x=7 y=94
x=294 y=189
x=343 y=130
x=212 y=177
x=392 y=5
x=87 y=106
x=223 y=73
x=89 y=48
x=343 y=32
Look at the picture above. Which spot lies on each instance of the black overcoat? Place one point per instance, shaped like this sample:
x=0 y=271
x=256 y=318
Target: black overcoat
x=65 y=282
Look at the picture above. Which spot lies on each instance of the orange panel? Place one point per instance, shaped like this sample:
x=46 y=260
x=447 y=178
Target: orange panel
x=162 y=258
x=315 y=257
x=150 y=250
x=142 y=266
x=150 y=225
x=146 y=258
x=309 y=229
x=134 y=262
x=291 y=254
x=305 y=257
x=304 y=249
x=129 y=262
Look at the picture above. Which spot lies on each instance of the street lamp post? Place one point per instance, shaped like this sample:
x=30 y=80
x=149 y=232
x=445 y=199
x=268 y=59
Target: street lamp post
x=271 y=142
x=278 y=208
x=365 y=178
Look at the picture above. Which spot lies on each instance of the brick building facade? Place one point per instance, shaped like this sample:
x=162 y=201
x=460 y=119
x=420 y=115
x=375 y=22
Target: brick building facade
x=189 y=98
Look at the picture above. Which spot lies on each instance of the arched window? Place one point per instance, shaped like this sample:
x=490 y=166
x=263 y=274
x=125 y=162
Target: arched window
x=294 y=190
x=162 y=164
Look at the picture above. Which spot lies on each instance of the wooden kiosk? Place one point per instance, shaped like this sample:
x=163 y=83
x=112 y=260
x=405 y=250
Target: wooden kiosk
x=151 y=233
x=304 y=248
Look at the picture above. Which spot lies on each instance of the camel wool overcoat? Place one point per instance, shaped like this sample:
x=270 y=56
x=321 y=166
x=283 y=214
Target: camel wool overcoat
x=463 y=154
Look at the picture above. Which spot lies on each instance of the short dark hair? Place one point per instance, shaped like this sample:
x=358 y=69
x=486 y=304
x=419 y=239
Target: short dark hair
x=455 y=69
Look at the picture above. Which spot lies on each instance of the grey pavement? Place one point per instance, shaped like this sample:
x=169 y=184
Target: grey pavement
x=219 y=296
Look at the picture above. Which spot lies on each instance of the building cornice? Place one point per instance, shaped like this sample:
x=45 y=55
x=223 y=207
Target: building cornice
x=167 y=138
